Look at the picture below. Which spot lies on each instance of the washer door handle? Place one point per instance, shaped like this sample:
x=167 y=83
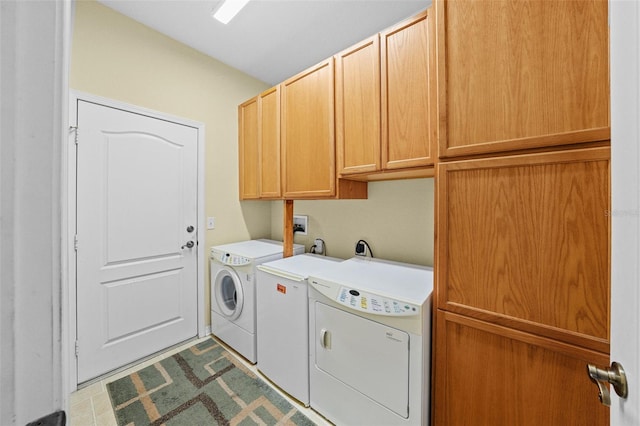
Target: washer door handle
x=325 y=338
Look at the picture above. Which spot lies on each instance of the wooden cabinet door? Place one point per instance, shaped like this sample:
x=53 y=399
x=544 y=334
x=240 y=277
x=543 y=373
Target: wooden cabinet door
x=521 y=74
x=308 y=139
x=408 y=114
x=358 y=108
x=527 y=243
x=522 y=288
x=269 y=143
x=489 y=375
x=248 y=151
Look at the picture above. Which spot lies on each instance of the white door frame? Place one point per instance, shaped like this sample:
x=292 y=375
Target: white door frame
x=624 y=26
x=71 y=326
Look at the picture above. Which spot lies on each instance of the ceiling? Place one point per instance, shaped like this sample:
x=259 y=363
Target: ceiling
x=270 y=40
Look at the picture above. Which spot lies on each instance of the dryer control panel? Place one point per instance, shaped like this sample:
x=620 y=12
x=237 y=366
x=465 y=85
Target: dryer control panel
x=374 y=304
x=229 y=258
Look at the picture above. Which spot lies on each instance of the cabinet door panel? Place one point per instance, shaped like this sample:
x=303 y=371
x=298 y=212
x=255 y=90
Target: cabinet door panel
x=527 y=242
x=488 y=375
x=269 y=110
x=308 y=133
x=248 y=150
x=521 y=74
x=358 y=108
x=406 y=72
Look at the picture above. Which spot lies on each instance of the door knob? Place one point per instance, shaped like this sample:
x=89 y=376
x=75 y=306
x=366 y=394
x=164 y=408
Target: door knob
x=190 y=228
x=189 y=244
x=614 y=375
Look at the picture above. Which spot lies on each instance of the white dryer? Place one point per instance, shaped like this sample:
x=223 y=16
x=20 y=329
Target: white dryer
x=369 y=342
x=233 y=291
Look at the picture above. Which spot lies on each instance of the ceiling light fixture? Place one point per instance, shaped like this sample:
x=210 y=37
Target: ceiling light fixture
x=228 y=10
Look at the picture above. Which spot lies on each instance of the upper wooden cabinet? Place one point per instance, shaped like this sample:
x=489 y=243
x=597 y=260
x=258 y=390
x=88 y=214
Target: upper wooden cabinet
x=408 y=93
x=308 y=142
x=358 y=108
x=248 y=151
x=259 y=147
x=308 y=137
x=385 y=115
x=269 y=143
x=521 y=74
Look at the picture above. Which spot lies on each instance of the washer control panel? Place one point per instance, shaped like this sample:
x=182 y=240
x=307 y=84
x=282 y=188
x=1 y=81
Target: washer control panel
x=229 y=258
x=374 y=304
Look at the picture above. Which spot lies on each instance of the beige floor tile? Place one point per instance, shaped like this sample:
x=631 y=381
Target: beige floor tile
x=101 y=404
x=106 y=419
x=81 y=408
x=86 y=420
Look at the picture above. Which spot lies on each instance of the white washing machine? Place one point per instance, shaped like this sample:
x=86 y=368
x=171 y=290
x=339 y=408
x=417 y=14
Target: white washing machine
x=369 y=342
x=233 y=291
x=283 y=321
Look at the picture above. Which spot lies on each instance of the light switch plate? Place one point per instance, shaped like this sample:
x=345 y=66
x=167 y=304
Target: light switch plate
x=211 y=222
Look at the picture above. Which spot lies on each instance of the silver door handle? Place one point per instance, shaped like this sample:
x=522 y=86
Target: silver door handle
x=325 y=338
x=189 y=244
x=603 y=376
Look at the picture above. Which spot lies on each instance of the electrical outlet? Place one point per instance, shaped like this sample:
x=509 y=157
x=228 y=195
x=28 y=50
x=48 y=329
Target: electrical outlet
x=211 y=222
x=319 y=246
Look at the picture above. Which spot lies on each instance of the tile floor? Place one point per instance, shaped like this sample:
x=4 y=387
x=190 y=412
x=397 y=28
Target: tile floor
x=91 y=406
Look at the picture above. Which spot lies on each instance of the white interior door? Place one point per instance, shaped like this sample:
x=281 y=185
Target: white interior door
x=625 y=215
x=136 y=212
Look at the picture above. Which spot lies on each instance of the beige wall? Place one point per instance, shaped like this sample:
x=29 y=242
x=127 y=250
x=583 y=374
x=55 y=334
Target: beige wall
x=115 y=57
x=396 y=220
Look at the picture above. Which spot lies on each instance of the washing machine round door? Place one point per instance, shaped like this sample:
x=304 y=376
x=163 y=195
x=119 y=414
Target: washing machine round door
x=228 y=293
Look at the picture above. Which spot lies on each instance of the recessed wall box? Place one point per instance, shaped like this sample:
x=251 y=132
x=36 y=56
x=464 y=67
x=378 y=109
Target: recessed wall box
x=300 y=224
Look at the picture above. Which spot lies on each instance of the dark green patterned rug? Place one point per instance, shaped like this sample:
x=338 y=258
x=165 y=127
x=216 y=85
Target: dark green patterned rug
x=202 y=385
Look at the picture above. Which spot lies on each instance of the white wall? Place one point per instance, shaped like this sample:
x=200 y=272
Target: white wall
x=33 y=107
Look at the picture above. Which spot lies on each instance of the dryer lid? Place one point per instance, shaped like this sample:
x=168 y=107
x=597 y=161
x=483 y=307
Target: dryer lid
x=403 y=281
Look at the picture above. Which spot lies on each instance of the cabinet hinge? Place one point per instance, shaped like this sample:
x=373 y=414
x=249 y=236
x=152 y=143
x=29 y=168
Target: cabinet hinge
x=77 y=348
x=75 y=242
x=74 y=129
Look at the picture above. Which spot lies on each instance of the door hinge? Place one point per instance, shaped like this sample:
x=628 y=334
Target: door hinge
x=77 y=348
x=74 y=129
x=75 y=242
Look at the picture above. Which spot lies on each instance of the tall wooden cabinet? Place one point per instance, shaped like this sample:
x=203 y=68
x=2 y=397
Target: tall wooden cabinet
x=522 y=288
x=521 y=74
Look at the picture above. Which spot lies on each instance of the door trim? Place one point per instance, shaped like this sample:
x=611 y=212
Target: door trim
x=70 y=172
